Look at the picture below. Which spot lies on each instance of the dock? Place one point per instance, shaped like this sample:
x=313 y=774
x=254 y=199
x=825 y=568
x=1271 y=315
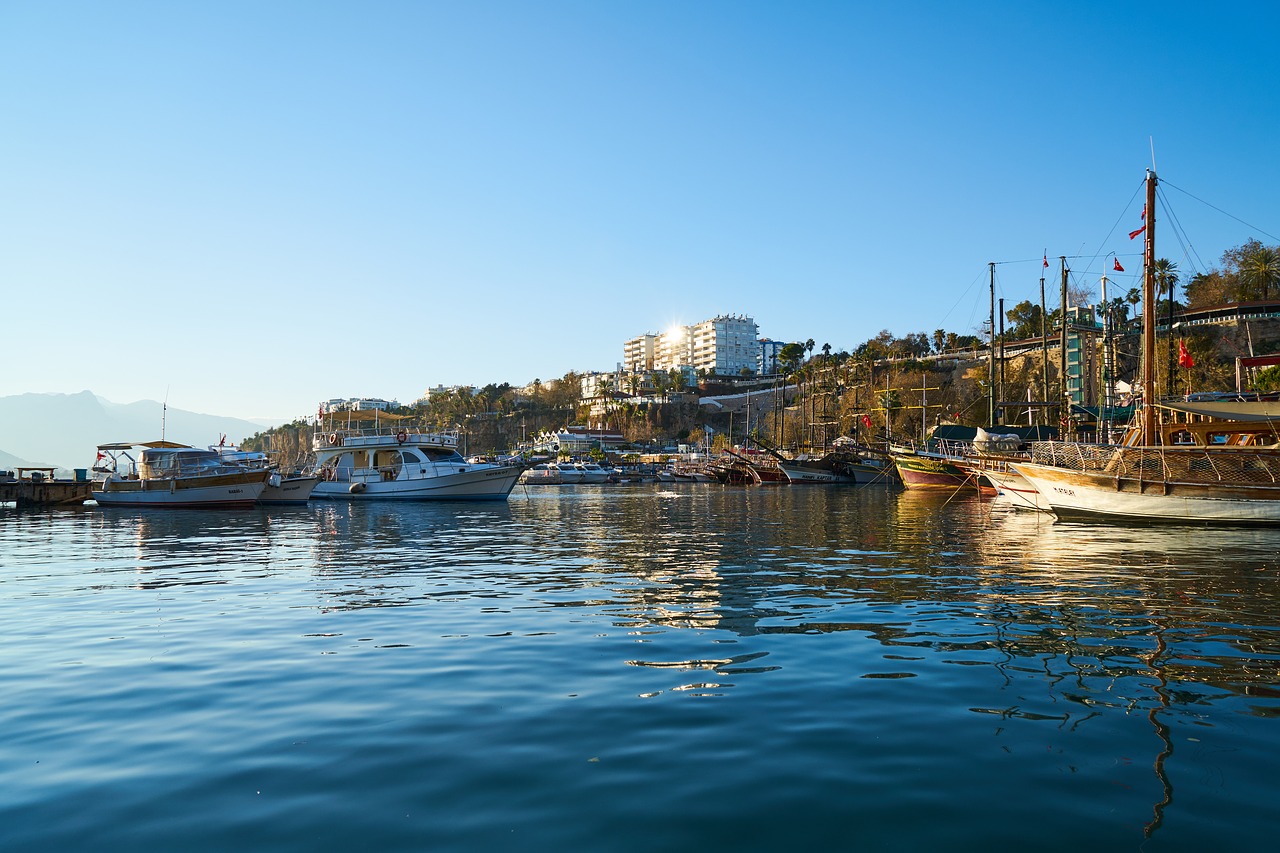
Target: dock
x=37 y=487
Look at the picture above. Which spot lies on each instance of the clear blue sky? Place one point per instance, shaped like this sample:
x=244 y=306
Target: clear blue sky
x=254 y=206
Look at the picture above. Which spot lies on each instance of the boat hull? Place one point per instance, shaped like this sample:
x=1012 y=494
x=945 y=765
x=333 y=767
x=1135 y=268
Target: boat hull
x=1016 y=489
x=1086 y=493
x=226 y=490
x=292 y=490
x=923 y=472
x=476 y=484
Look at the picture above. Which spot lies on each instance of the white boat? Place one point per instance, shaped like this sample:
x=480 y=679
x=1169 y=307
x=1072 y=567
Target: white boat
x=591 y=472
x=281 y=489
x=166 y=474
x=569 y=475
x=541 y=474
x=401 y=463
x=1157 y=483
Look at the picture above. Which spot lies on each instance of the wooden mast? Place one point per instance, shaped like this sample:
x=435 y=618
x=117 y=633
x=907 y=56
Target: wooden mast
x=991 y=355
x=1149 y=316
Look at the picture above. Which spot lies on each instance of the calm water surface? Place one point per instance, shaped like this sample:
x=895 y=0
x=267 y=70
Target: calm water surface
x=635 y=668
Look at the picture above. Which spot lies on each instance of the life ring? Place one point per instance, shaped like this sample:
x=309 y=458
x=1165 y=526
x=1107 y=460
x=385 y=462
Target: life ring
x=402 y=437
x=335 y=439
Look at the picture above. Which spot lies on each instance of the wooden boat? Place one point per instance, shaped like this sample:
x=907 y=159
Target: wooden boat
x=1218 y=472
x=167 y=474
x=282 y=489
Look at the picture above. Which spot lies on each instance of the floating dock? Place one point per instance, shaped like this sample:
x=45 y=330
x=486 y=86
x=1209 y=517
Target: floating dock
x=37 y=487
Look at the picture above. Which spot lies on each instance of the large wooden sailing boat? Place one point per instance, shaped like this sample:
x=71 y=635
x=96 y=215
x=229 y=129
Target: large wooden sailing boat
x=1232 y=482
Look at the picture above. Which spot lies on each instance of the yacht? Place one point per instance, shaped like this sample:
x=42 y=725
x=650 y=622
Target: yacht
x=402 y=463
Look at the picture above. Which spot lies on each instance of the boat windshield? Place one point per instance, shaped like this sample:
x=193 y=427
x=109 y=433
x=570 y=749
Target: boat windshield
x=157 y=463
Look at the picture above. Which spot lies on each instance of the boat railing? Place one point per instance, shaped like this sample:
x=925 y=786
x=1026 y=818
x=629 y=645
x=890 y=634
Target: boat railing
x=339 y=436
x=1183 y=464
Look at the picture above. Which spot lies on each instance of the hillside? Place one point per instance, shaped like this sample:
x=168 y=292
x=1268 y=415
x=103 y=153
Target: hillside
x=64 y=429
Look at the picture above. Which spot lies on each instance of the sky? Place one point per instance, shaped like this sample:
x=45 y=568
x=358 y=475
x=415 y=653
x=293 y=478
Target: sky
x=249 y=207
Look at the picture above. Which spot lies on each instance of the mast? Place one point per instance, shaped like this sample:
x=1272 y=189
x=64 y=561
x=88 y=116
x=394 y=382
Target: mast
x=1044 y=346
x=1065 y=396
x=1149 y=316
x=1002 y=358
x=991 y=354
x=1108 y=366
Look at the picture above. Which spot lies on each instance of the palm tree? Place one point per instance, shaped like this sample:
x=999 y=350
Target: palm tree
x=1166 y=276
x=1134 y=297
x=1261 y=270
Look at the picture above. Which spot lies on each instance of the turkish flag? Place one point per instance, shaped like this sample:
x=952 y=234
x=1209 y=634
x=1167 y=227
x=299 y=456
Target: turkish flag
x=1118 y=268
x=1184 y=357
x=1133 y=234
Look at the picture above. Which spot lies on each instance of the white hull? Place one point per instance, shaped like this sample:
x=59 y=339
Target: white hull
x=158 y=494
x=1017 y=490
x=292 y=490
x=479 y=483
x=1071 y=492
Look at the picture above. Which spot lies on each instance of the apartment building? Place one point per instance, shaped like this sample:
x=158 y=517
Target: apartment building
x=725 y=345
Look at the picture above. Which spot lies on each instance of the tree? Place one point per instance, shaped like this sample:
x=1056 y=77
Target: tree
x=1260 y=270
x=1024 y=321
x=939 y=340
x=789 y=357
x=1166 y=276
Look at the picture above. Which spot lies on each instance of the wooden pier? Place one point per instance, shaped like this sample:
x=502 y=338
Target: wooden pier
x=37 y=487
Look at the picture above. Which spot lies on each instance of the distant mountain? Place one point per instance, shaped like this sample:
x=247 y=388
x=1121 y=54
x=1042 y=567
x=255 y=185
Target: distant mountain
x=65 y=429
x=8 y=462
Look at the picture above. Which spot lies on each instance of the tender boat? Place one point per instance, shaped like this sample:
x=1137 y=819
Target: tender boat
x=167 y=474
x=401 y=463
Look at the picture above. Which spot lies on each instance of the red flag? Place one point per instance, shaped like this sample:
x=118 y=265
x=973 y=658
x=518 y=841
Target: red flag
x=866 y=421
x=1144 y=213
x=1118 y=268
x=1046 y=259
x=1184 y=357
x=101 y=456
x=1133 y=234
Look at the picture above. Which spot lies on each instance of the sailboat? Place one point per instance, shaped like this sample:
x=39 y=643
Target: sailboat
x=1235 y=482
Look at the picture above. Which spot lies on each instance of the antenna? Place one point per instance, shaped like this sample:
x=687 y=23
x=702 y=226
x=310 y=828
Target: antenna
x=1152 y=139
x=164 y=412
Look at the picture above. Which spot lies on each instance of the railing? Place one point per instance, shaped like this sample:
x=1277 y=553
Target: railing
x=339 y=436
x=1195 y=465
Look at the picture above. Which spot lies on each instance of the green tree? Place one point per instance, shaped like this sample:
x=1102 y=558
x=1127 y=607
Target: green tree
x=1260 y=271
x=1024 y=321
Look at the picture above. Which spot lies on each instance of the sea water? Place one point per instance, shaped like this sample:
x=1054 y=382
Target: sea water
x=627 y=668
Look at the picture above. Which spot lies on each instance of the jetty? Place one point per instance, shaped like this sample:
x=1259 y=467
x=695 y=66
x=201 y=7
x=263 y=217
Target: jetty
x=37 y=487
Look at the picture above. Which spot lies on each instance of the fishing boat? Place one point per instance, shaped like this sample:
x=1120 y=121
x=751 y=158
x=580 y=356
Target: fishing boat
x=845 y=465
x=1161 y=474
x=167 y=474
x=282 y=489
x=379 y=457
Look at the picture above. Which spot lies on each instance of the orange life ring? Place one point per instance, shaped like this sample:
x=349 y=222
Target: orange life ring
x=402 y=437
x=335 y=439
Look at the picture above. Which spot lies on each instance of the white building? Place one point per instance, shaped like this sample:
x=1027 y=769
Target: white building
x=725 y=345
x=356 y=404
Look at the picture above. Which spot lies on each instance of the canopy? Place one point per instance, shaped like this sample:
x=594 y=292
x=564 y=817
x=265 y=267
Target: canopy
x=363 y=415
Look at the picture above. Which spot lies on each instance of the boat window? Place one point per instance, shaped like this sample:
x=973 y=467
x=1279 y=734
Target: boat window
x=387 y=461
